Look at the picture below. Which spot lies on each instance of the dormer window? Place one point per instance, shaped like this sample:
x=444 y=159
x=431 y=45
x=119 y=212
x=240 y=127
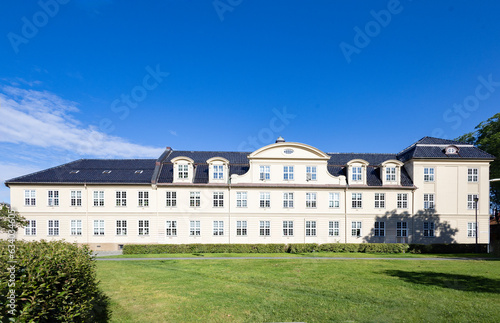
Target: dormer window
x=356 y=169
x=218 y=168
x=356 y=174
x=183 y=171
x=390 y=174
x=218 y=172
x=451 y=150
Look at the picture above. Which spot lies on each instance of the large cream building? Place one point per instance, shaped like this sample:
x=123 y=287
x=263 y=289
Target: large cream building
x=285 y=192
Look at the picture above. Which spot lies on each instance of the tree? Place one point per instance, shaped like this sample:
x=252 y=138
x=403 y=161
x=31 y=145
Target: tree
x=487 y=137
x=10 y=220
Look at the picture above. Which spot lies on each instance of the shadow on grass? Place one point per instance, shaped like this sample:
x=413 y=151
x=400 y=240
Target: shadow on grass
x=457 y=282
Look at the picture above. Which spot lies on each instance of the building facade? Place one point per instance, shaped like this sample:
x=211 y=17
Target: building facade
x=285 y=192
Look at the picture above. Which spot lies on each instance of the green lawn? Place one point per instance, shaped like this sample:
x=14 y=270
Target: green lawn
x=308 y=290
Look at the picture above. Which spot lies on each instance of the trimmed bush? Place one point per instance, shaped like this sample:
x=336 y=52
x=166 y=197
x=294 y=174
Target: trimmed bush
x=302 y=247
x=52 y=282
x=130 y=249
x=447 y=248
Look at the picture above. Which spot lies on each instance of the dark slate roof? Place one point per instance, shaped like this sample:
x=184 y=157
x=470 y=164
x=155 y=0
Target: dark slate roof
x=201 y=157
x=91 y=171
x=372 y=159
x=439 y=141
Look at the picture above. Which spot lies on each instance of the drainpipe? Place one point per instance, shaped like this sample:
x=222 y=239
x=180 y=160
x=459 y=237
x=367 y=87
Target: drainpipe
x=229 y=208
x=345 y=213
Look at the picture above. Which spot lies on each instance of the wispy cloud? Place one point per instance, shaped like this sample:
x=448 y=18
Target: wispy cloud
x=173 y=133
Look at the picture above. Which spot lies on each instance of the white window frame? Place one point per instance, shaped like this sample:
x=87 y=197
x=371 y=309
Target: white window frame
x=30 y=229
x=241 y=199
x=311 y=173
x=356 y=228
x=218 y=228
x=53 y=198
x=265 y=173
x=218 y=199
x=390 y=174
x=99 y=227
x=429 y=229
x=52 y=227
x=171 y=228
x=98 y=198
x=310 y=200
x=143 y=198
x=333 y=200
x=121 y=227
x=76 y=227
x=401 y=229
x=380 y=200
x=379 y=229
x=182 y=171
x=194 y=199
x=288 y=173
x=472 y=175
x=171 y=199
x=288 y=228
x=264 y=228
x=143 y=227
x=471 y=229
x=241 y=228
x=121 y=198
x=76 y=198
x=402 y=201
x=429 y=173
x=288 y=200
x=310 y=228
x=334 y=228
x=265 y=199
x=357 y=174
x=218 y=171
x=194 y=228
x=357 y=200
x=471 y=204
x=29 y=197
x=429 y=201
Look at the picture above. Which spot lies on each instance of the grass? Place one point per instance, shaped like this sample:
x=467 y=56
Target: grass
x=307 y=290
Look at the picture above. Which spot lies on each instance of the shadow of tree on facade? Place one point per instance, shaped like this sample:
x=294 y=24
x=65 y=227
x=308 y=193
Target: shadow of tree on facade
x=446 y=280
x=424 y=227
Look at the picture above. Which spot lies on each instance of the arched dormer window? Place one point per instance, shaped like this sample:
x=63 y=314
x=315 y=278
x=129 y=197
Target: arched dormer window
x=218 y=169
x=451 y=150
x=183 y=169
x=356 y=171
x=391 y=172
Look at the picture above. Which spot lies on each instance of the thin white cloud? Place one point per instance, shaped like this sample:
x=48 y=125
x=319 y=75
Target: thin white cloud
x=43 y=119
x=173 y=133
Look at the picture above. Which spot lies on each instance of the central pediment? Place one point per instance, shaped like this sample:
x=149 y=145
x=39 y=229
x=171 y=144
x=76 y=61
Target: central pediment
x=289 y=150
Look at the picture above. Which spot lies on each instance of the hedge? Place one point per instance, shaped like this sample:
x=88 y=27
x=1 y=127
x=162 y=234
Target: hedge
x=50 y=282
x=447 y=248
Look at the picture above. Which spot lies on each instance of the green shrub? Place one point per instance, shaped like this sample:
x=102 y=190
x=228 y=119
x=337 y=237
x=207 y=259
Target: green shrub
x=130 y=249
x=54 y=282
x=447 y=248
x=302 y=247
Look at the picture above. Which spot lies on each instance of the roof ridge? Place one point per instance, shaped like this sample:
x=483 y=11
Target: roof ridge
x=364 y=153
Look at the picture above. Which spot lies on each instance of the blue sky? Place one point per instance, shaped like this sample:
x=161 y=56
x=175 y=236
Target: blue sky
x=125 y=79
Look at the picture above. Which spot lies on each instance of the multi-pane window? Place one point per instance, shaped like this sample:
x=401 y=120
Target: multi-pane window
x=310 y=200
x=76 y=198
x=53 y=198
x=30 y=229
x=241 y=228
x=390 y=174
x=333 y=200
x=356 y=174
x=287 y=173
x=471 y=203
x=218 y=228
x=472 y=175
x=402 y=229
x=143 y=198
x=98 y=198
x=428 y=229
x=265 y=199
x=311 y=173
x=471 y=229
x=171 y=228
x=241 y=199
x=265 y=228
x=183 y=171
x=288 y=228
x=171 y=199
x=402 y=200
x=98 y=227
x=357 y=200
x=29 y=197
x=380 y=200
x=428 y=201
x=379 y=229
x=76 y=227
x=121 y=198
x=121 y=227
x=143 y=227
x=265 y=173
x=356 y=229
x=310 y=228
x=194 y=228
x=218 y=199
x=194 y=199
x=333 y=228
x=218 y=171
x=287 y=200
x=53 y=227
x=428 y=174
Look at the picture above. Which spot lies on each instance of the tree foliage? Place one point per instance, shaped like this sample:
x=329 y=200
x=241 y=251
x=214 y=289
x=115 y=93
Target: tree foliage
x=10 y=220
x=487 y=137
